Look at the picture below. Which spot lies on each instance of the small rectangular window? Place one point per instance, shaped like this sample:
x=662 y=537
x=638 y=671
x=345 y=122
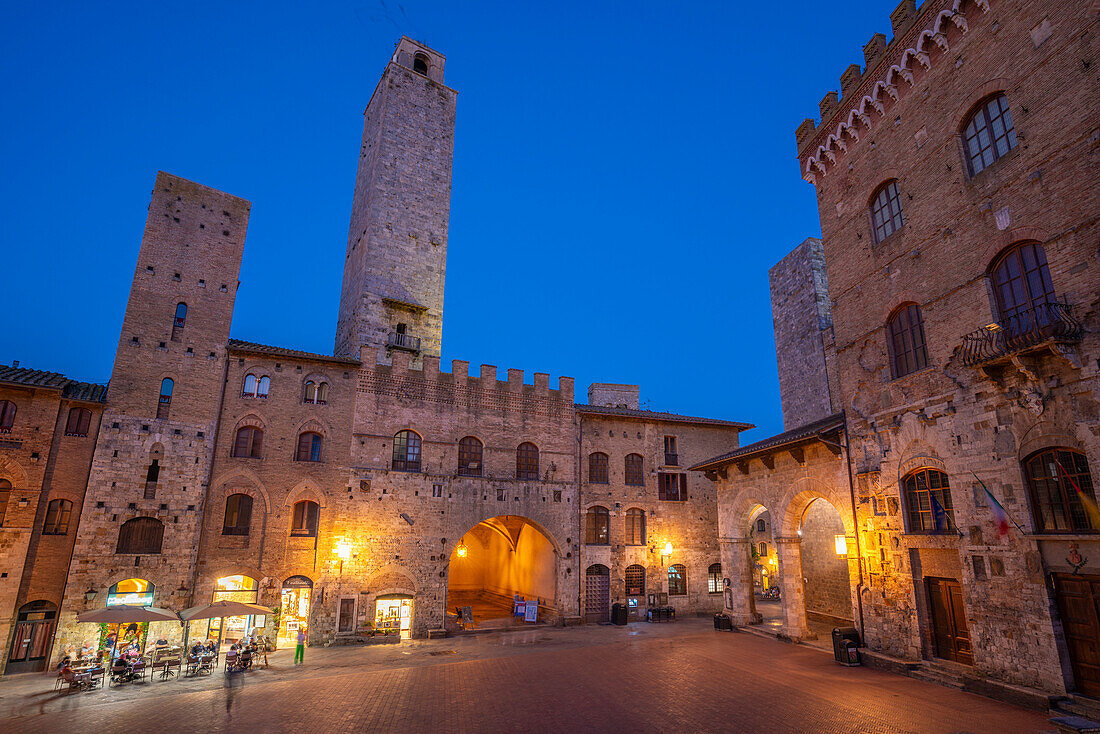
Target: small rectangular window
x=672 y=487
x=671 y=457
x=437 y=490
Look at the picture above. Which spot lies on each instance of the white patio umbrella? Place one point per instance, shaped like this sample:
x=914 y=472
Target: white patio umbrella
x=214 y=610
x=125 y=614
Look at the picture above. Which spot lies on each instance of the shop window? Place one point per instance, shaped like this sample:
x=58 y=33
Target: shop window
x=7 y=415
x=635 y=580
x=905 y=332
x=5 y=495
x=309 y=447
x=141 y=535
x=57 y=517
x=886 y=216
x=632 y=467
x=677 y=580
x=469 y=457
x=672 y=487
x=597 y=468
x=635 y=526
x=714 y=578
x=988 y=133
x=79 y=422
x=238 y=514
x=179 y=321
x=164 y=403
x=305 y=519
x=527 y=461
x=1057 y=478
x=597 y=526
x=249 y=443
x=929 y=500
x=406 y=451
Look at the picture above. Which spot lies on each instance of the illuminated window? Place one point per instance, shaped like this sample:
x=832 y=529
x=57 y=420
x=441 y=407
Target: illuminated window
x=635 y=477
x=714 y=578
x=597 y=526
x=137 y=592
x=597 y=468
x=635 y=580
x=677 y=580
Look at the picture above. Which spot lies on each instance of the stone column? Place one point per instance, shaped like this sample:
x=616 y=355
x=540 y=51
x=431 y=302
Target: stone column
x=793 y=585
x=737 y=567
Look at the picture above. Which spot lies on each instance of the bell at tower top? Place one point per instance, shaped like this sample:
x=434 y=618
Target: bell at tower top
x=418 y=57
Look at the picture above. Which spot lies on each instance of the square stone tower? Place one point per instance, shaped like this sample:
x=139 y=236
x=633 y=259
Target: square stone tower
x=396 y=260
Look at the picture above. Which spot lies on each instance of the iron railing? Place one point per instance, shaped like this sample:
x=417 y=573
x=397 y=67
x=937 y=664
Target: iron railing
x=1046 y=322
x=672 y=459
x=404 y=341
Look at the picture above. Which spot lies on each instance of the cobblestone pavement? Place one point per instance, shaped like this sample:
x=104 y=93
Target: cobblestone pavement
x=673 y=677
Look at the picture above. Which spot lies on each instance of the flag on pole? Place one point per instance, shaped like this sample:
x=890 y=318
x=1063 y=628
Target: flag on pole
x=1088 y=503
x=1000 y=516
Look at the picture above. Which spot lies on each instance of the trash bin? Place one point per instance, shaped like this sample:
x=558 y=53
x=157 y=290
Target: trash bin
x=722 y=622
x=845 y=645
x=618 y=613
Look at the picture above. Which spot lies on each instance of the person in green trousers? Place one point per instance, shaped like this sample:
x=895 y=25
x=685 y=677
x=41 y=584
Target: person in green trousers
x=300 y=649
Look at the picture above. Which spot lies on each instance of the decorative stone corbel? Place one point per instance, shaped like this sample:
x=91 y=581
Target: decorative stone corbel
x=831 y=156
x=922 y=57
x=841 y=144
x=878 y=106
x=960 y=22
x=941 y=41
x=892 y=90
x=983 y=4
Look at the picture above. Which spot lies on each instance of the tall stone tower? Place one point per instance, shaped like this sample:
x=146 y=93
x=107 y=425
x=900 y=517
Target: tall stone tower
x=144 y=504
x=396 y=260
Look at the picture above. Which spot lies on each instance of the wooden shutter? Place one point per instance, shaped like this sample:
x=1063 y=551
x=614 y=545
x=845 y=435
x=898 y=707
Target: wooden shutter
x=683 y=487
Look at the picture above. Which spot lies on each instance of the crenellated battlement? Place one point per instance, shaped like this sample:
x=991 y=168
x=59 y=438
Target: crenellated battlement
x=921 y=38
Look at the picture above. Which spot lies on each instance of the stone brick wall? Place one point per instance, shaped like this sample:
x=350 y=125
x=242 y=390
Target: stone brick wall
x=828 y=588
x=614 y=396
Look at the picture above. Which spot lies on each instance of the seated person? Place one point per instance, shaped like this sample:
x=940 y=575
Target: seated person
x=119 y=669
x=210 y=648
x=196 y=649
x=64 y=662
x=161 y=644
x=86 y=651
x=67 y=673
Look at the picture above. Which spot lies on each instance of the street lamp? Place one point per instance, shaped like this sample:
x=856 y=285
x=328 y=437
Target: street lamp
x=841 y=545
x=343 y=552
x=90 y=595
x=461 y=550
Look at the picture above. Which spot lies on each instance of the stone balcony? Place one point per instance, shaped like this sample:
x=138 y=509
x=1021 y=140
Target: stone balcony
x=1047 y=327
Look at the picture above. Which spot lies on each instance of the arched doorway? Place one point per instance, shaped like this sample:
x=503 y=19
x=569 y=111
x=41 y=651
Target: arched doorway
x=231 y=629
x=294 y=606
x=597 y=593
x=766 y=587
x=824 y=554
x=498 y=562
x=30 y=645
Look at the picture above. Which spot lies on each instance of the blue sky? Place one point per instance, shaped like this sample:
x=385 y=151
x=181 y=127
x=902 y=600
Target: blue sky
x=624 y=174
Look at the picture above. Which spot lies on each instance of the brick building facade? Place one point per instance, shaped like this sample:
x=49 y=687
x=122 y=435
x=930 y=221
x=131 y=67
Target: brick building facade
x=957 y=190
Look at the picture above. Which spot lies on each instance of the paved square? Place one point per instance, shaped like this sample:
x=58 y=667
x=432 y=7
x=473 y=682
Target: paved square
x=674 y=677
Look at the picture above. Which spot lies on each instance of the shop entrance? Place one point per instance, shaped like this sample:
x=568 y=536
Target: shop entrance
x=1079 y=606
x=949 y=630
x=33 y=632
x=232 y=629
x=294 y=605
x=498 y=562
x=393 y=613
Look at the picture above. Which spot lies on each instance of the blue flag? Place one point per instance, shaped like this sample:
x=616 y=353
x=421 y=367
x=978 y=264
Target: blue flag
x=939 y=515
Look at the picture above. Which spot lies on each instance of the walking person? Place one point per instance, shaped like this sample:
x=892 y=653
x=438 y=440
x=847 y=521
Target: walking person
x=300 y=649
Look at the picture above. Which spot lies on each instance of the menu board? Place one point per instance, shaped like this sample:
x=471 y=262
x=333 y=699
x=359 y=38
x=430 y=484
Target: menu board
x=531 y=614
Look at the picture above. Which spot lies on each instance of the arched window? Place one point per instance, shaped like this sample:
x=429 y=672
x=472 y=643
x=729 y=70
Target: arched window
x=249 y=386
x=306 y=516
x=142 y=536
x=714 y=578
x=905 y=337
x=164 y=404
x=763 y=550
x=309 y=447
x=1057 y=478
x=316 y=392
x=635 y=580
x=179 y=321
x=597 y=526
x=677 y=580
x=527 y=461
x=469 y=457
x=406 y=451
x=928 y=497
x=597 y=468
x=5 y=495
x=420 y=64
x=263 y=387
x=988 y=133
x=152 y=476
x=7 y=415
x=1022 y=288
x=238 y=514
x=80 y=421
x=248 y=443
x=635 y=526
x=632 y=467
x=886 y=216
x=57 y=517
x=761 y=526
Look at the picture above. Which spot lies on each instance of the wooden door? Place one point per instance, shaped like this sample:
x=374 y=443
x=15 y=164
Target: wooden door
x=597 y=594
x=1079 y=606
x=31 y=642
x=949 y=628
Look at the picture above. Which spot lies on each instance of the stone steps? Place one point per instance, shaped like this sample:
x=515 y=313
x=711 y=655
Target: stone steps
x=1071 y=705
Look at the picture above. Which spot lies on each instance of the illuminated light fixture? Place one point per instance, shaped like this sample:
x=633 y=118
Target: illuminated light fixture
x=841 y=544
x=667 y=550
x=90 y=595
x=992 y=327
x=800 y=532
x=343 y=550
x=461 y=550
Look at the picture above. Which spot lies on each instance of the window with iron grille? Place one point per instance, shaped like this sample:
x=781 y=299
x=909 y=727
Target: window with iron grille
x=249 y=443
x=238 y=514
x=1057 y=478
x=886 y=216
x=406 y=451
x=597 y=526
x=469 y=457
x=141 y=535
x=672 y=487
x=929 y=499
x=905 y=332
x=527 y=461
x=714 y=578
x=305 y=519
x=7 y=415
x=597 y=468
x=79 y=422
x=57 y=517
x=635 y=477
x=989 y=133
x=164 y=404
x=309 y=447
x=635 y=580
x=179 y=321
x=1022 y=287
x=677 y=580
x=635 y=526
